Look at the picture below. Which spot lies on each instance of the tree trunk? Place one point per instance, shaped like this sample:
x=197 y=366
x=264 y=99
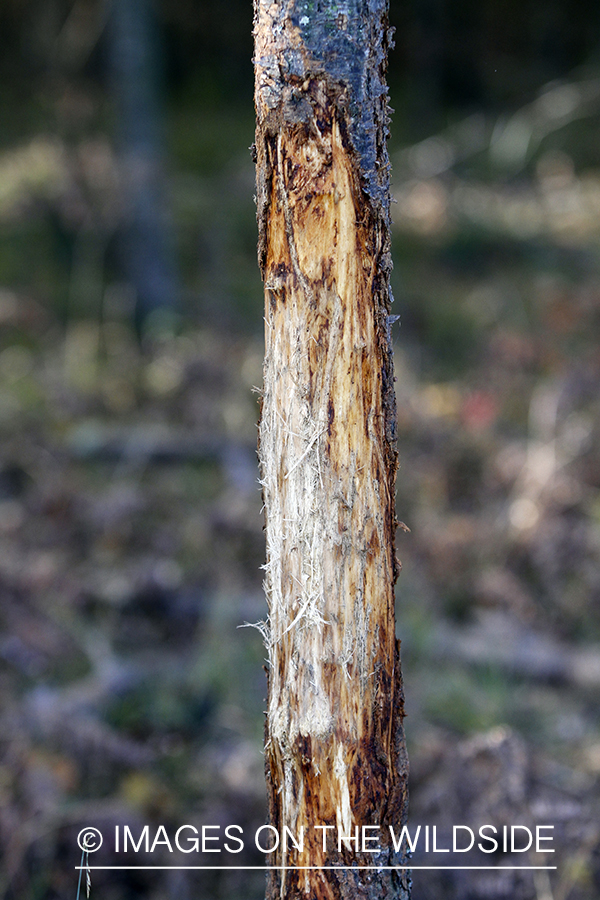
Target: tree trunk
x=145 y=244
x=335 y=753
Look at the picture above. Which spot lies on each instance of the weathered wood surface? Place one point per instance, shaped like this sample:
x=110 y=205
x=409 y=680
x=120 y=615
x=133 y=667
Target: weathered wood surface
x=335 y=751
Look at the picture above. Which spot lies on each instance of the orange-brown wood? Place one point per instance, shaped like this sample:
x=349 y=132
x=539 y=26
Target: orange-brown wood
x=335 y=751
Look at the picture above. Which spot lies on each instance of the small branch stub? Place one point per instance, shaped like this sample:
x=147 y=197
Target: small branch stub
x=335 y=753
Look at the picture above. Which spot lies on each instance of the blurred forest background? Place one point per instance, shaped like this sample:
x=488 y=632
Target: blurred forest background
x=130 y=358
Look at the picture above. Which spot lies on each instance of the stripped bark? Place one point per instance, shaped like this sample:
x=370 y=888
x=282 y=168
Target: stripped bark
x=335 y=752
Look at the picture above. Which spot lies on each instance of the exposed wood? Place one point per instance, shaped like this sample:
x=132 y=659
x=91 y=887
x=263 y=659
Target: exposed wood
x=335 y=751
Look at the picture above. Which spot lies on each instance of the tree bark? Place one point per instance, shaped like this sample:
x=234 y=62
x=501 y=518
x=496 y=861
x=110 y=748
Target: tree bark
x=335 y=752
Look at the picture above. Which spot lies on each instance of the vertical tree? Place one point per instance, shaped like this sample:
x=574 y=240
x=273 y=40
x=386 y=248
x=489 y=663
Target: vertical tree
x=135 y=61
x=335 y=752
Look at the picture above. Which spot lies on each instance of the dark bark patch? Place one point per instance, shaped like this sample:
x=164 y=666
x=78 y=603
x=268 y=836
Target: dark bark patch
x=330 y=416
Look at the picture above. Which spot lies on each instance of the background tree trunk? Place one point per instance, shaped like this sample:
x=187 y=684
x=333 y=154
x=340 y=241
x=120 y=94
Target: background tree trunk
x=335 y=752
x=146 y=245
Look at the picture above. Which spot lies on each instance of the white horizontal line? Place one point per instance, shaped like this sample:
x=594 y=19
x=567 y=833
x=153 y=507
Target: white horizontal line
x=312 y=868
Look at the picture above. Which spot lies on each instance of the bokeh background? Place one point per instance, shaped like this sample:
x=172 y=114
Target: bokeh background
x=130 y=361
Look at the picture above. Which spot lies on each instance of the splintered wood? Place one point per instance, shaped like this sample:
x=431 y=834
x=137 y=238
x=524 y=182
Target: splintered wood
x=328 y=482
x=335 y=752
